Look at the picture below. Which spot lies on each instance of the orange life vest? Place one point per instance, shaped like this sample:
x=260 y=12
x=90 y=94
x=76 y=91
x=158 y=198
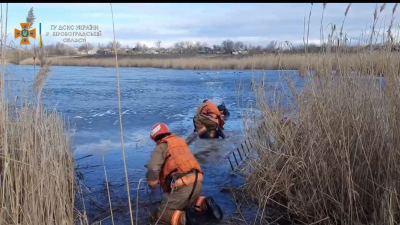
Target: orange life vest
x=211 y=111
x=178 y=161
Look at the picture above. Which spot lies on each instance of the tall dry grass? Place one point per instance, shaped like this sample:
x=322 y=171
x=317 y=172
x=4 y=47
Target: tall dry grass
x=36 y=162
x=336 y=159
x=37 y=173
x=268 y=62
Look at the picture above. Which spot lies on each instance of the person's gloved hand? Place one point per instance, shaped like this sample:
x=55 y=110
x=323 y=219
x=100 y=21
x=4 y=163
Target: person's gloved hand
x=201 y=131
x=220 y=133
x=152 y=184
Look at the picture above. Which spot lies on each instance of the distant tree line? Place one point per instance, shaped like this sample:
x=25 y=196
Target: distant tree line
x=189 y=47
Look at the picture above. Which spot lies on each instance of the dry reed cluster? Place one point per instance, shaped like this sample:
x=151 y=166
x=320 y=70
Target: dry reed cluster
x=37 y=174
x=337 y=159
x=36 y=162
x=267 y=62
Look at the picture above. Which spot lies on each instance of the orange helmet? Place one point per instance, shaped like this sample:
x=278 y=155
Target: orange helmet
x=157 y=129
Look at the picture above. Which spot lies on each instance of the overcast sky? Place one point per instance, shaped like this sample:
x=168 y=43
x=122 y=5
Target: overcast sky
x=252 y=23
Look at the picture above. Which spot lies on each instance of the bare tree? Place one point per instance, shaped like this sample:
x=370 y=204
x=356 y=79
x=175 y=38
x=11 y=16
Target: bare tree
x=102 y=46
x=30 y=18
x=272 y=45
x=190 y=47
x=179 y=46
x=111 y=45
x=198 y=44
x=86 y=46
x=144 y=47
x=158 y=44
x=217 y=47
x=239 y=45
x=228 y=45
x=59 y=49
x=188 y=44
x=138 y=46
x=89 y=46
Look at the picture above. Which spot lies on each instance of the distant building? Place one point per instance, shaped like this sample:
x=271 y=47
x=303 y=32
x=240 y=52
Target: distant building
x=121 y=50
x=83 y=52
x=92 y=51
x=162 y=50
x=151 y=51
x=128 y=50
x=205 y=50
x=104 y=51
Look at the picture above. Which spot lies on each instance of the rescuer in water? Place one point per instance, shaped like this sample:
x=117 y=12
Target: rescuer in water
x=180 y=176
x=209 y=120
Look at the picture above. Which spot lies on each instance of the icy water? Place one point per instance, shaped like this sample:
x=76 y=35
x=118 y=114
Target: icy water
x=87 y=96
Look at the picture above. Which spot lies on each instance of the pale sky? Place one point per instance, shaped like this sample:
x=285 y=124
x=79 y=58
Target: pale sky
x=252 y=23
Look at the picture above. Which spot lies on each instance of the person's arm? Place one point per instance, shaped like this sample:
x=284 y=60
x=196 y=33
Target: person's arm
x=200 y=128
x=154 y=164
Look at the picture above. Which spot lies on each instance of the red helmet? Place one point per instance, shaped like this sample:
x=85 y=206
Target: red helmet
x=157 y=129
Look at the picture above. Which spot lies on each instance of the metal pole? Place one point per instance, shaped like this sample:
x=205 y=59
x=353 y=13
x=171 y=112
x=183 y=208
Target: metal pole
x=230 y=163
x=240 y=154
x=235 y=158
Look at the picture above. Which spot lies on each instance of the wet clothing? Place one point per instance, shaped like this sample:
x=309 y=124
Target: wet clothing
x=210 y=133
x=177 y=203
x=176 y=168
x=208 y=118
x=172 y=159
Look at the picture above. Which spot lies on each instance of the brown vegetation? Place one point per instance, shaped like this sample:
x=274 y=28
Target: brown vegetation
x=36 y=163
x=37 y=173
x=268 y=62
x=337 y=161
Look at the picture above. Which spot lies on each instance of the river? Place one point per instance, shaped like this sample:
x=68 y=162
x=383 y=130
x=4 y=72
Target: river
x=87 y=97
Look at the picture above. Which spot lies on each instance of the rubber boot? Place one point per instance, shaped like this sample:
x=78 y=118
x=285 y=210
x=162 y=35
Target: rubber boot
x=220 y=133
x=213 y=209
x=190 y=220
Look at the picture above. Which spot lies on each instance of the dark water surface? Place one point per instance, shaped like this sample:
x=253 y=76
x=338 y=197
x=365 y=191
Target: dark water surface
x=87 y=96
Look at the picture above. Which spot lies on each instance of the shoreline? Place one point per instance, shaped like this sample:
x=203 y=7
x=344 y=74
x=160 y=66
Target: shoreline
x=224 y=62
x=194 y=62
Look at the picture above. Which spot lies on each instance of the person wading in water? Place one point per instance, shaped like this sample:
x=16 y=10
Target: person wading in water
x=209 y=120
x=180 y=176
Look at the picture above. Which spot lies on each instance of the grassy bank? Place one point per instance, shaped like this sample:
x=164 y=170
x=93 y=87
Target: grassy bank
x=36 y=168
x=37 y=180
x=37 y=173
x=269 y=62
x=337 y=161
x=334 y=160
